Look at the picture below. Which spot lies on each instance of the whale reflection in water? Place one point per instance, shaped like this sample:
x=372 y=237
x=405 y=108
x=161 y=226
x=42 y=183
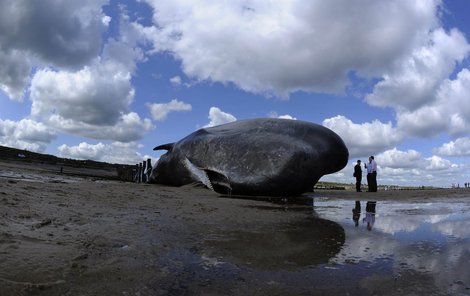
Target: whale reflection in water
x=294 y=246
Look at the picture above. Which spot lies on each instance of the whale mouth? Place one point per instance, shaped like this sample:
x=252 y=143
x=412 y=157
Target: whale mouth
x=212 y=179
x=220 y=182
x=197 y=173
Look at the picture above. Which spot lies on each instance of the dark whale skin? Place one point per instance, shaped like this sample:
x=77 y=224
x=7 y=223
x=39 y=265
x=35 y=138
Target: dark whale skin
x=256 y=157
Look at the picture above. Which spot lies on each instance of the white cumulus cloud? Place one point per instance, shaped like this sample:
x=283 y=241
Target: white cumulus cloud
x=25 y=134
x=160 y=111
x=415 y=81
x=459 y=147
x=94 y=100
x=218 y=117
x=93 y=95
x=438 y=163
x=284 y=46
x=129 y=127
x=449 y=112
x=116 y=152
x=364 y=139
x=410 y=167
x=14 y=73
x=176 y=80
x=395 y=158
x=285 y=116
x=60 y=33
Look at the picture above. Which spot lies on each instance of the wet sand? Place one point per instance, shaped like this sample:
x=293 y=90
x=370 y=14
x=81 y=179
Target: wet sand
x=63 y=235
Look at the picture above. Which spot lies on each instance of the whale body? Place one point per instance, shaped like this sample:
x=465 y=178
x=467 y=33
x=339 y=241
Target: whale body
x=257 y=157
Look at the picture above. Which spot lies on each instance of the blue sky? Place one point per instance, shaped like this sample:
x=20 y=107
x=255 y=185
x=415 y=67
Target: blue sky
x=110 y=80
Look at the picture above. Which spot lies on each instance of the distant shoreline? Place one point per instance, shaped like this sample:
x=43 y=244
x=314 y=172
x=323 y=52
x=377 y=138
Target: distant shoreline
x=12 y=157
x=45 y=163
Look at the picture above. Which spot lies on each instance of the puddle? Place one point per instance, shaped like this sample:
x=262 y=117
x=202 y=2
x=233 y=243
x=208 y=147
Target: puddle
x=276 y=201
x=428 y=242
x=388 y=248
x=15 y=176
x=294 y=246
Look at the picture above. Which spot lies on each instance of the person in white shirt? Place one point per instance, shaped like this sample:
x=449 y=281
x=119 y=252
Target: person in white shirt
x=370 y=214
x=371 y=174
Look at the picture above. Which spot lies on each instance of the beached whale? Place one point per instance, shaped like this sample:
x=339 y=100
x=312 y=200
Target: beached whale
x=267 y=156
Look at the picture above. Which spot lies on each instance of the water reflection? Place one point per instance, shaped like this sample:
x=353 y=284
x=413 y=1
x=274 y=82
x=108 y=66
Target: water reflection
x=370 y=214
x=357 y=213
x=381 y=248
x=369 y=218
x=307 y=242
x=428 y=240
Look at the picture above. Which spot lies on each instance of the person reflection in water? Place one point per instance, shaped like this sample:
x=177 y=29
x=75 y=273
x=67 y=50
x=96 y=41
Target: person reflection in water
x=370 y=214
x=356 y=213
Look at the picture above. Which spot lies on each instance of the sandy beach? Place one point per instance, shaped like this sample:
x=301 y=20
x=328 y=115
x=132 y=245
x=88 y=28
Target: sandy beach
x=64 y=235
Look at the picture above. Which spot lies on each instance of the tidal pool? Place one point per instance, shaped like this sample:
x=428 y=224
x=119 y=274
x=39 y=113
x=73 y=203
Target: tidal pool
x=344 y=247
x=391 y=247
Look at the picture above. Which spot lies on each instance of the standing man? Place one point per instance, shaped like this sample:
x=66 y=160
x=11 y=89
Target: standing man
x=358 y=175
x=371 y=175
x=374 y=174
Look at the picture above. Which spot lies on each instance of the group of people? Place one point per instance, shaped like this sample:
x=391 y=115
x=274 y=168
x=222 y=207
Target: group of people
x=371 y=168
x=370 y=214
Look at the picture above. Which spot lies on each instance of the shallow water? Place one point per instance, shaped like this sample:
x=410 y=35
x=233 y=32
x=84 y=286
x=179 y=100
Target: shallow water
x=423 y=246
x=403 y=248
x=36 y=177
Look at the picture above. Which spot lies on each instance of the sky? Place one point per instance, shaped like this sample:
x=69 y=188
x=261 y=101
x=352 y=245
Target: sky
x=110 y=80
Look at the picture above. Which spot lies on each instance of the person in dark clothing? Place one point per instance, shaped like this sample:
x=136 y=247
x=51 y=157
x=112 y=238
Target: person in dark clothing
x=358 y=175
x=356 y=213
